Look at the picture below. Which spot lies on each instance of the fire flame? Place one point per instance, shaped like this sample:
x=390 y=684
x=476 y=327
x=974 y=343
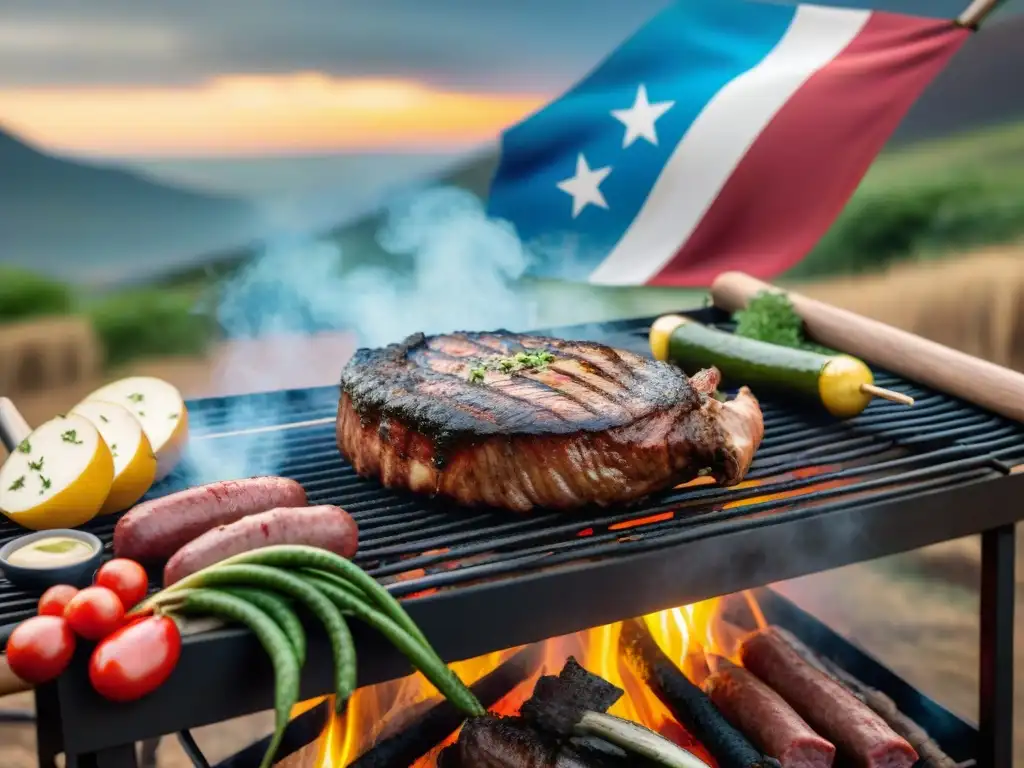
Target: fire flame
x=692 y=636
x=688 y=635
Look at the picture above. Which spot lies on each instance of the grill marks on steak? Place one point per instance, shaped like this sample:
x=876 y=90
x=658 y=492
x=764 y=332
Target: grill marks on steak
x=597 y=425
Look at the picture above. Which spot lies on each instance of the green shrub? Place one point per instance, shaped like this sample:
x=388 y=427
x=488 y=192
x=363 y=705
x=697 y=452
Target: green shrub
x=24 y=294
x=150 y=322
x=933 y=216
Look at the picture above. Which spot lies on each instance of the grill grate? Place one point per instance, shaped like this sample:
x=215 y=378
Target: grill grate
x=808 y=465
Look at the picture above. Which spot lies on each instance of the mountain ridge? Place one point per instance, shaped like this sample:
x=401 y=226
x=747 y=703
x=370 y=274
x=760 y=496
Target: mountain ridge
x=84 y=221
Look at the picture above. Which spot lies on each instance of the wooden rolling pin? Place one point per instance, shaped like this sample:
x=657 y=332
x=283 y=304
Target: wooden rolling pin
x=970 y=378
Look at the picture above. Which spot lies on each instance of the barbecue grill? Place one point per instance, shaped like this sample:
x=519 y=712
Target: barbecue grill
x=820 y=495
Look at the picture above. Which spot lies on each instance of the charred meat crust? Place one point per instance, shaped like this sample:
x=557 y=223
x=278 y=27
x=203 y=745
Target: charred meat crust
x=424 y=383
x=592 y=426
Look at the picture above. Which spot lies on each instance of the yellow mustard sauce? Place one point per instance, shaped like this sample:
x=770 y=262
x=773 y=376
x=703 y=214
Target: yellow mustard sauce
x=51 y=552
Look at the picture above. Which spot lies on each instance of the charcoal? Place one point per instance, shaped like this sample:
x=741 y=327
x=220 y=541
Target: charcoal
x=558 y=703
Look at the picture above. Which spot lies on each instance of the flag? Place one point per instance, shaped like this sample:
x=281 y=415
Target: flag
x=724 y=134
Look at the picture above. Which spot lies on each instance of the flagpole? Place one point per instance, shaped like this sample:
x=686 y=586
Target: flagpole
x=976 y=13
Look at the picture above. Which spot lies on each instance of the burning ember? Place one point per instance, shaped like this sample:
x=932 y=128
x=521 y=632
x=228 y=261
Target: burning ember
x=691 y=636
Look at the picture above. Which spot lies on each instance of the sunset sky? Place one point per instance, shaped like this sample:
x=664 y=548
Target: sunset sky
x=193 y=78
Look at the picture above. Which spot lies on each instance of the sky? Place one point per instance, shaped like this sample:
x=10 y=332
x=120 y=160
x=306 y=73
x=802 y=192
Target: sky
x=222 y=78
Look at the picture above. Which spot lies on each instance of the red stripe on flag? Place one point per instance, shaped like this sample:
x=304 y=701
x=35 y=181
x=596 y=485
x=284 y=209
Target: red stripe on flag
x=800 y=171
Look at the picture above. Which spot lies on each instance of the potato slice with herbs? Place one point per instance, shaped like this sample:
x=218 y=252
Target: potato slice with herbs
x=160 y=410
x=134 y=460
x=58 y=477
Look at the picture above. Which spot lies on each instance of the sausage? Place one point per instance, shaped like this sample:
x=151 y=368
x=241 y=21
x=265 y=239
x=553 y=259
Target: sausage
x=156 y=529
x=325 y=526
x=859 y=734
x=766 y=719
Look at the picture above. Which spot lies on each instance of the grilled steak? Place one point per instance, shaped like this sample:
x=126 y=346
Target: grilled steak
x=460 y=415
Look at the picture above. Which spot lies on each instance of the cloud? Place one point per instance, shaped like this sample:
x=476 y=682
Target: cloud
x=497 y=44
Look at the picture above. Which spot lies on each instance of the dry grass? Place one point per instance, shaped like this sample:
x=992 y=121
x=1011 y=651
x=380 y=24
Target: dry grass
x=917 y=612
x=973 y=304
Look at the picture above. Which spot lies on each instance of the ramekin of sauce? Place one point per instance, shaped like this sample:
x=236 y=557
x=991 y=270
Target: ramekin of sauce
x=39 y=560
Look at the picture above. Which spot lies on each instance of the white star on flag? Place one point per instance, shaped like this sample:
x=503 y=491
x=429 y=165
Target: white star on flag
x=585 y=186
x=641 y=117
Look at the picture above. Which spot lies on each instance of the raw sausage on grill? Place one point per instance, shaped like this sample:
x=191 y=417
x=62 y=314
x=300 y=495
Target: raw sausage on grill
x=156 y=529
x=766 y=719
x=860 y=735
x=325 y=526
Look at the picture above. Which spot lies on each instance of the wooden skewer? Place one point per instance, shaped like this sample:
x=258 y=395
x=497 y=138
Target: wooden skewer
x=977 y=381
x=886 y=394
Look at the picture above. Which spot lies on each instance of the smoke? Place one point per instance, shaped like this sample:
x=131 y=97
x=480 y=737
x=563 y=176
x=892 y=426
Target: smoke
x=458 y=270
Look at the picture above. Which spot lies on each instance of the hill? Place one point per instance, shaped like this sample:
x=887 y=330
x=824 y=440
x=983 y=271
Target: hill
x=88 y=222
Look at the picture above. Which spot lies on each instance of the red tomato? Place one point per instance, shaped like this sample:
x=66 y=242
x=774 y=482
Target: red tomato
x=55 y=600
x=136 y=659
x=40 y=648
x=94 y=613
x=126 y=578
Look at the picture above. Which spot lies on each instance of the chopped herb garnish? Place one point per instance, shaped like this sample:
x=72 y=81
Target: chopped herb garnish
x=71 y=436
x=521 y=361
x=173 y=416
x=46 y=484
x=136 y=397
x=142 y=414
x=113 y=450
x=18 y=484
x=36 y=466
x=24 y=446
x=104 y=419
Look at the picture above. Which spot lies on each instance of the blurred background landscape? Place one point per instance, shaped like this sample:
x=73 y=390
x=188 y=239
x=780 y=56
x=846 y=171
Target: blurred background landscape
x=233 y=195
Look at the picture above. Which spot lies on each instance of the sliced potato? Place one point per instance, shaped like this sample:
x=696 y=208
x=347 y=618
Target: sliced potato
x=58 y=477
x=134 y=460
x=160 y=409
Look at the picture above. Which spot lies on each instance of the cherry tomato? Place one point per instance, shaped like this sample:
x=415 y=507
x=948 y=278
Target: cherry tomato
x=135 y=660
x=55 y=599
x=94 y=613
x=126 y=578
x=40 y=648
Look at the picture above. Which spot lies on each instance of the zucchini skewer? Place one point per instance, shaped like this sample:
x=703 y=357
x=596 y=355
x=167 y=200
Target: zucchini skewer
x=842 y=384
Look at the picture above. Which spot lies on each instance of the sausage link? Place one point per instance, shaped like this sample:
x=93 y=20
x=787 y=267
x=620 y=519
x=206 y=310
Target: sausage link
x=860 y=735
x=156 y=529
x=766 y=719
x=325 y=526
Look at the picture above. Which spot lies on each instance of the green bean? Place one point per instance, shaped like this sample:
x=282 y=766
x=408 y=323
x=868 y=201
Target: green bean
x=422 y=656
x=278 y=580
x=277 y=608
x=286 y=668
x=299 y=556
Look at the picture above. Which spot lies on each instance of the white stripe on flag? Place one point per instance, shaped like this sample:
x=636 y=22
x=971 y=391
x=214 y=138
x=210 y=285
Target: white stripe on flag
x=715 y=144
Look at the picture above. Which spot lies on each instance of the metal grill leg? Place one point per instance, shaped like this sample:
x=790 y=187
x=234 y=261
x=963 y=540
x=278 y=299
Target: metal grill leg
x=996 y=673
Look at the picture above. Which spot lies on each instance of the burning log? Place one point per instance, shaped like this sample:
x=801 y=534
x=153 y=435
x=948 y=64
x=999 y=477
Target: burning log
x=575 y=704
x=442 y=719
x=511 y=742
x=687 y=703
x=931 y=754
x=859 y=733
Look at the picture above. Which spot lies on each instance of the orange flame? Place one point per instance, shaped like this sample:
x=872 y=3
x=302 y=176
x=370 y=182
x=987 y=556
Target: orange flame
x=686 y=634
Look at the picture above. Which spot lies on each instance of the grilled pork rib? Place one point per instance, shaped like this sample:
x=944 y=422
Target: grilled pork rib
x=592 y=425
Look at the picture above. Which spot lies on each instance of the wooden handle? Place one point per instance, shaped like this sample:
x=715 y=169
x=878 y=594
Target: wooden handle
x=978 y=381
x=13 y=427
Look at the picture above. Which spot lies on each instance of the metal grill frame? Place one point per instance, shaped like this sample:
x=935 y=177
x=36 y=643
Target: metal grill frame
x=706 y=560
